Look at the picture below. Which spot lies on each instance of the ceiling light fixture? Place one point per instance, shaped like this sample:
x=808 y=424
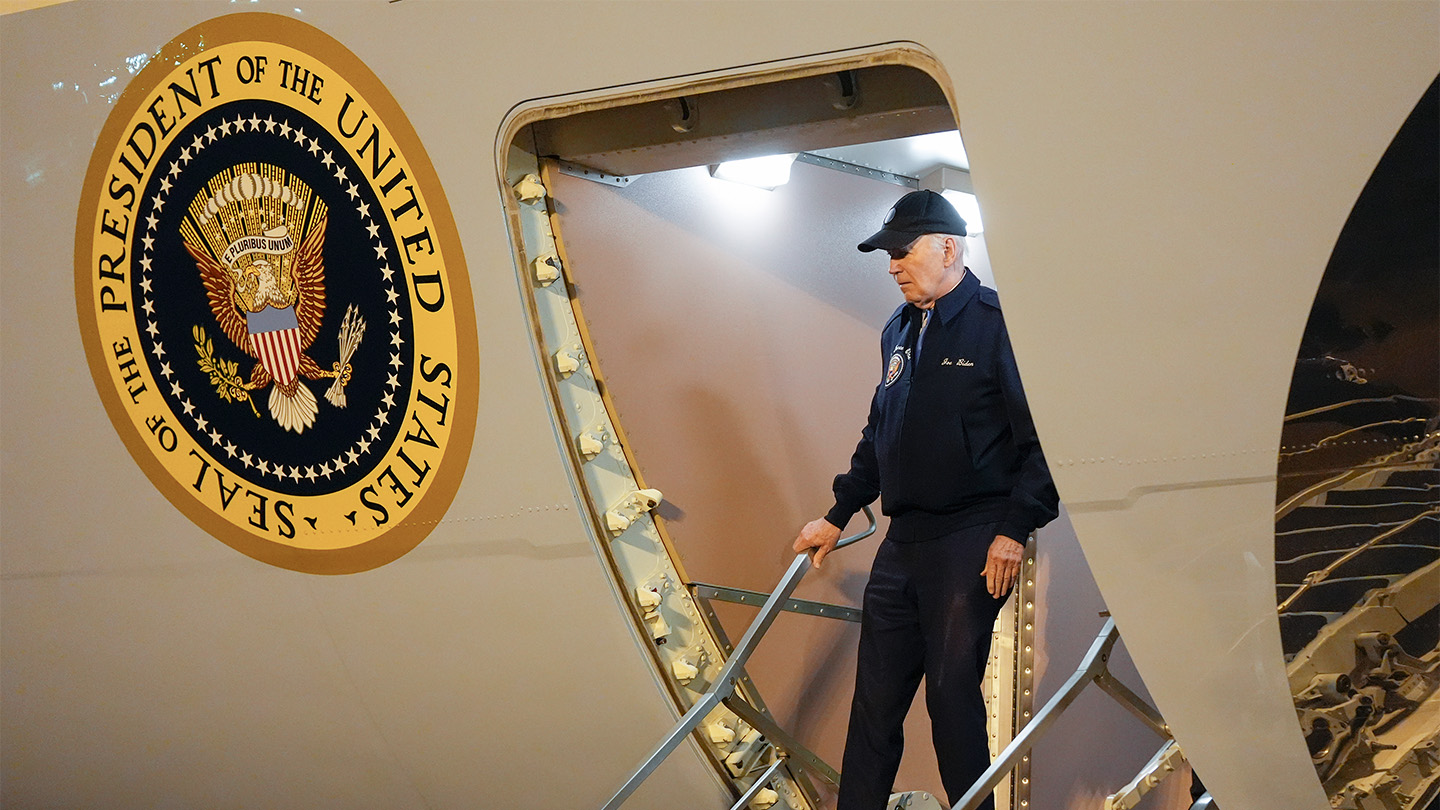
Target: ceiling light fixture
x=954 y=185
x=767 y=172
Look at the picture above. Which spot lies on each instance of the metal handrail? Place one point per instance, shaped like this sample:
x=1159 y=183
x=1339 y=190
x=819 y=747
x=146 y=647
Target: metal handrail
x=724 y=684
x=1335 y=406
x=1315 y=490
x=1346 y=432
x=1094 y=667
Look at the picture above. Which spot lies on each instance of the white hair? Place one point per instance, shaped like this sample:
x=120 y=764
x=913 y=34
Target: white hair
x=959 y=245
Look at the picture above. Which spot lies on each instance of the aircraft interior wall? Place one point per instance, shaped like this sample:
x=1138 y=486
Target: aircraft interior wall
x=737 y=330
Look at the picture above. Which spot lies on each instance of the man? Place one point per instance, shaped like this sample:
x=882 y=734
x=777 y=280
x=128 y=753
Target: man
x=951 y=451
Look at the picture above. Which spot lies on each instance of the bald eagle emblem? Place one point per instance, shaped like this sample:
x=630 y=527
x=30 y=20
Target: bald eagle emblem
x=894 y=367
x=266 y=291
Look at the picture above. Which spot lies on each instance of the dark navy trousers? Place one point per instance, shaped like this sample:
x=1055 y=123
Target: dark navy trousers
x=926 y=612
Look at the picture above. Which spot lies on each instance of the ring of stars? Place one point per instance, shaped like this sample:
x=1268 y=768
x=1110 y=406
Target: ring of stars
x=220 y=443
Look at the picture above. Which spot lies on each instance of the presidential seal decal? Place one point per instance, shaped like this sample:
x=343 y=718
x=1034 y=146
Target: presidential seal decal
x=894 y=367
x=274 y=303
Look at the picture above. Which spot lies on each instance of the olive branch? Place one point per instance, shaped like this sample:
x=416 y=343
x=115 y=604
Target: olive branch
x=224 y=374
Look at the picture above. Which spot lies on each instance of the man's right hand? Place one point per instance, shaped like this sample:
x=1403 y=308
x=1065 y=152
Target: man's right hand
x=819 y=534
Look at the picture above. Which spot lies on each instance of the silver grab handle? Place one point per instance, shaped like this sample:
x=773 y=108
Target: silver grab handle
x=724 y=683
x=855 y=538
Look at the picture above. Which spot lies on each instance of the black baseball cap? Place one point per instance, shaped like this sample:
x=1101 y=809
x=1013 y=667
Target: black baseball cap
x=916 y=214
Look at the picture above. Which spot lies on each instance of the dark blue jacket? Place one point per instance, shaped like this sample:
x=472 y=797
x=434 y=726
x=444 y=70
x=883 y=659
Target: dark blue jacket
x=950 y=442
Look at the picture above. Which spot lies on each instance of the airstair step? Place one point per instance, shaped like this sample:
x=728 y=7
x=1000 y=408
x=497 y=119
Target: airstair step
x=1293 y=571
x=913 y=800
x=1309 y=516
x=1396 y=560
x=1385 y=558
x=1413 y=478
x=1290 y=546
x=1384 y=495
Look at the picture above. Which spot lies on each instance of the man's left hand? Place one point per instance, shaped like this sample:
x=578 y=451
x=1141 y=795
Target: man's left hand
x=1002 y=566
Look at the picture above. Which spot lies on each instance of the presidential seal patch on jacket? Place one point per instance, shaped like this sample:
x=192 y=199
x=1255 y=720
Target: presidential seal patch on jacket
x=895 y=366
x=273 y=299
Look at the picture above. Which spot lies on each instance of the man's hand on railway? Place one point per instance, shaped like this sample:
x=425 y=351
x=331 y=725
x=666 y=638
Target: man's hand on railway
x=819 y=534
x=1002 y=566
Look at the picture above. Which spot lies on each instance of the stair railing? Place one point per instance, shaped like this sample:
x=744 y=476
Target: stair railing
x=723 y=691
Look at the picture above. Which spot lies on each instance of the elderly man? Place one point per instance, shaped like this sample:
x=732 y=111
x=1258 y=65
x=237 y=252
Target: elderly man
x=951 y=451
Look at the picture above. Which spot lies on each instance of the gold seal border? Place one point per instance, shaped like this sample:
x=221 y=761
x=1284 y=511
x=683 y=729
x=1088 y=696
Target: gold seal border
x=450 y=470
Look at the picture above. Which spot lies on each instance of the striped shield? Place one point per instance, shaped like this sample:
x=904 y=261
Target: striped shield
x=275 y=340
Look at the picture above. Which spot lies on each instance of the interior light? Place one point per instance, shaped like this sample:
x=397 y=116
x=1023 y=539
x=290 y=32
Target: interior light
x=766 y=172
x=969 y=208
x=954 y=185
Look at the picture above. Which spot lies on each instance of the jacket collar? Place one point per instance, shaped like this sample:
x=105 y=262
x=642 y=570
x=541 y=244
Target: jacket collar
x=949 y=305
